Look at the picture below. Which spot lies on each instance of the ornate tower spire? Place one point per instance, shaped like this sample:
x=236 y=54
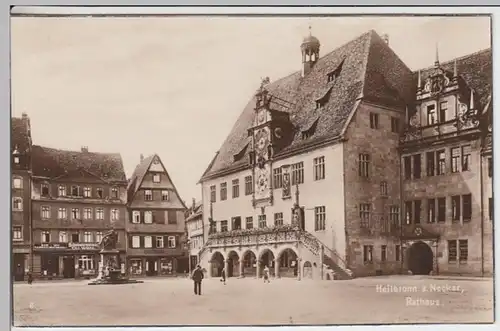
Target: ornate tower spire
x=310 y=52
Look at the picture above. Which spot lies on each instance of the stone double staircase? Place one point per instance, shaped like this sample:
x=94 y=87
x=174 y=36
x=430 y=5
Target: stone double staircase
x=334 y=267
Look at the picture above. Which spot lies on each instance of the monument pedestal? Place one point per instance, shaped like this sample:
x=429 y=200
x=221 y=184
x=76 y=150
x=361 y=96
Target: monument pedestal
x=109 y=272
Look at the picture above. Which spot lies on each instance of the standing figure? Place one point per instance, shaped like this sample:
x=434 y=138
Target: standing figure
x=223 y=275
x=197 y=278
x=266 y=274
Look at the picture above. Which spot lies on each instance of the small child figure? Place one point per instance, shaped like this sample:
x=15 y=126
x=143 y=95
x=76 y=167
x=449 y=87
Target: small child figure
x=266 y=275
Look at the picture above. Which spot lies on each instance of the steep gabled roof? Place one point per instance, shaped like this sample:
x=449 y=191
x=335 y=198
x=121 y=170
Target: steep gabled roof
x=366 y=68
x=53 y=163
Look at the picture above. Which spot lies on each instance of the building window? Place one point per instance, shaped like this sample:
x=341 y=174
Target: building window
x=100 y=193
x=364 y=214
x=417 y=166
x=490 y=167
x=441 y=212
x=75 y=213
x=431 y=210
x=87 y=213
x=45 y=212
x=45 y=236
x=61 y=213
x=165 y=196
x=114 y=193
x=298 y=173
x=212 y=193
x=455 y=159
x=374 y=121
x=490 y=208
x=431 y=114
x=441 y=162
x=417 y=205
x=364 y=165
x=75 y=237
x=115 y=214
x=87 y=237
x=367 y=253
x=431 y=163
x=394 y=215
x=278 y=219
x=236 y=188
x=18 y=183
x=443 y=107
x=395 y=125
x=262 y=221
x=319 y=168
x=17 y=203
x=408 y=212
x=156 y=178
x=223 y=226
x=398 y=252
x=466 y=158
x=17 y=233
x=148 y=242
x=63 y=237
x=172 y=217
x=383 y=253
x=236 y=223
x=98 y=236
x=86 y=262
x=148 y=217
x=16 y=159
x=383 y=188
x=319 y=218
x=452 y=251
x=455 y=208
x=99 y=214
x=136 y=242
x=75 y=191
x=249 y=222
x=61 y=191
x=407 y=167
x=45 y=190
x=148 y=195
x=159 y=242
x=171 y=241
x=223 y=191
x=463 y=248
x=278 y=178
x=136 y=217
x=467 y=207
x=87 y=192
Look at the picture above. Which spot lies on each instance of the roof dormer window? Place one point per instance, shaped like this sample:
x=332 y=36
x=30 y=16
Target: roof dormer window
x=335 y=73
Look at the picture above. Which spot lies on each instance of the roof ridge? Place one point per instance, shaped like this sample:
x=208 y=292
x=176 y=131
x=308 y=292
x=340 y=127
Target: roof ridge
x=484 y=50
x=75 y=151
x=366 y=55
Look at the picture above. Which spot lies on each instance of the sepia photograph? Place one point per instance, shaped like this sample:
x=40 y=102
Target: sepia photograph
x=238 y=170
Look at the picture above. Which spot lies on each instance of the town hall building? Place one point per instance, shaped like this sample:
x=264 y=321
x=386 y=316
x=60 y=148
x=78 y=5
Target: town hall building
x=340 y=169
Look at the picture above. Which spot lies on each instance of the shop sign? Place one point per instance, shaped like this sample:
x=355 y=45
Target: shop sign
x=51 y=246
x=83 y=246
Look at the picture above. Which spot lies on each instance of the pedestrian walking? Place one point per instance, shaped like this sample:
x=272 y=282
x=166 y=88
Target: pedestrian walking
x=266 y=275
x=30 y=277
x=197 y=277
x=223 y=275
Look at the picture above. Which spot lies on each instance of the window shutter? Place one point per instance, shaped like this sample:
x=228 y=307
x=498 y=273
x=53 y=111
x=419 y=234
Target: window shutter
x=160 y=218
x=129 y=241
x=141 y=242
x=153 y=217
x=165 y=241
x=153 y=241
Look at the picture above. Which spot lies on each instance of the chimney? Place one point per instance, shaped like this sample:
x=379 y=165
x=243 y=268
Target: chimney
x=194 y=204
x=385 y=37
x=142 y=157
x=85 y=149
x=26 y=121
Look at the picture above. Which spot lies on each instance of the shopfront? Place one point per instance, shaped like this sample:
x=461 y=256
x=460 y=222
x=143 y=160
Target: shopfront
x=67 y=260
x=156 y=266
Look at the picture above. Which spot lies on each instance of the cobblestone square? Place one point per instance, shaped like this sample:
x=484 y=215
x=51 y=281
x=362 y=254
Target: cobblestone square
x=250 y=301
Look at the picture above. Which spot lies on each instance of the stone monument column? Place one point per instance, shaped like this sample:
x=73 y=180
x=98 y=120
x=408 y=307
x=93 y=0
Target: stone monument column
x=241 y=268
x=257 y=264
x=276 y=268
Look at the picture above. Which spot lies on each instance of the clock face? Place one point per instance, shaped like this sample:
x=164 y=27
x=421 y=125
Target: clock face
x=262 y=183
x=261 y=140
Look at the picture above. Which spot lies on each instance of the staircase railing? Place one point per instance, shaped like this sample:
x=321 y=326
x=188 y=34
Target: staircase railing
x=334 y=256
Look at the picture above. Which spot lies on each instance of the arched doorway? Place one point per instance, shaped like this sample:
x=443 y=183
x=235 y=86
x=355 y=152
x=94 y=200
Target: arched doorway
x=249 y=264
x=308 y=270
x=288 y=263
x=267 y=259
x=420 y=258
x=233 y=264
x=216 y=264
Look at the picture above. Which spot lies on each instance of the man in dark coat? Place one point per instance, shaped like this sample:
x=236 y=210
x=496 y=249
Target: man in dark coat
x=197 y=278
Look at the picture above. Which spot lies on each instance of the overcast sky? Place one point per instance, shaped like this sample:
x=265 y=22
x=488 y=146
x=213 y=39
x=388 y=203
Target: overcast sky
x=175 y=86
